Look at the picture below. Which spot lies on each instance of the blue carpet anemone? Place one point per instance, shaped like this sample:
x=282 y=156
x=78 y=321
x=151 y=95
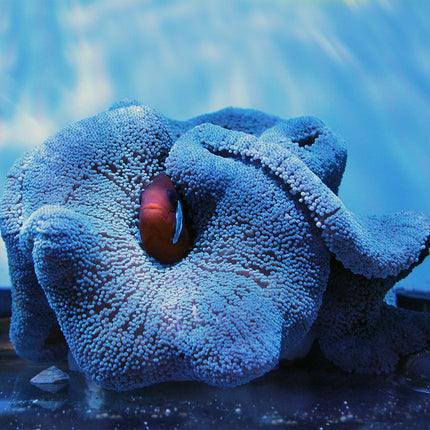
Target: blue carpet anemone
x=273 y=254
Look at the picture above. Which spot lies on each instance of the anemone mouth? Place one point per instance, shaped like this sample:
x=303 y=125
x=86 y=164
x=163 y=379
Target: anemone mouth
x=307 y=139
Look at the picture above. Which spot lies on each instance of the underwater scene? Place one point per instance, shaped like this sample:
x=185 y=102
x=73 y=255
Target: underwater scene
x=214 y=214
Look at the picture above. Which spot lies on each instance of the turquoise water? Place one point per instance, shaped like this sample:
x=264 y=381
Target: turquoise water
x=361 y=66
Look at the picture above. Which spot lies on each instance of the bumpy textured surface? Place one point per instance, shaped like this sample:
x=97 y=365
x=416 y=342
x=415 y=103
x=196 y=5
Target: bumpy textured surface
x=275 y=251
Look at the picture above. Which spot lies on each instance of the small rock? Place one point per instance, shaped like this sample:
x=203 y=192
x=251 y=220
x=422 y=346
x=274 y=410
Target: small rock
x=51 y=379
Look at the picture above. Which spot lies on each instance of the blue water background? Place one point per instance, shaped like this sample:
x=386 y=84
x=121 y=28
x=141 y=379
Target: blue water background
x=363 y=67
